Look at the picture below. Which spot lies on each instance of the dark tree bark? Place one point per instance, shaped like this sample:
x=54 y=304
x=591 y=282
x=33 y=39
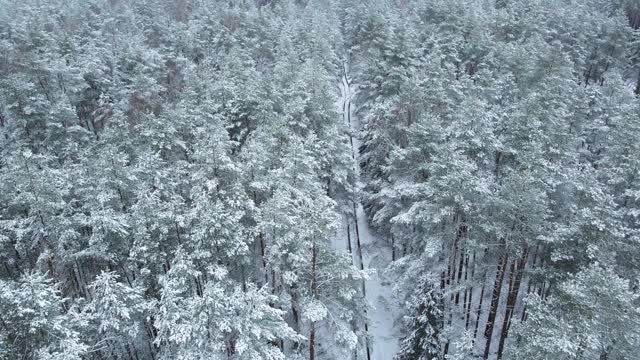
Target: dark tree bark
x=512 y=271
x=479 y=311
x=495 y=301
x=312 y=331
x=511 y=300
x=470 y=299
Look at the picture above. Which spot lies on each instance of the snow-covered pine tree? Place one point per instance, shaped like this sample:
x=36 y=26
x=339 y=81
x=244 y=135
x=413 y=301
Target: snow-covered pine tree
x=424 y=323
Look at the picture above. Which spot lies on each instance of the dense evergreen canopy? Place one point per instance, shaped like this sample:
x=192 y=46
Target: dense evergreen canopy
x=183 y=179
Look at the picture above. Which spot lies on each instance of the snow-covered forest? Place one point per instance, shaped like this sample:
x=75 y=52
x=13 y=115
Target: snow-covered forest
x=319 y=179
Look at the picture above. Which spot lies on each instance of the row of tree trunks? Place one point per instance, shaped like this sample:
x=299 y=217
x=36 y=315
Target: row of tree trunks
x=495 y=301
x=530 y=282
x=458 y=265
x=514 y=289
x=511 y=273
x=478 y=313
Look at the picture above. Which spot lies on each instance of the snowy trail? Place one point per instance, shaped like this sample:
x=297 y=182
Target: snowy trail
x=371 y=253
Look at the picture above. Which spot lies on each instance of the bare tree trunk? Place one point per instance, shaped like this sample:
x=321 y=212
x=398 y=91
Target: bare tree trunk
x=366 y=331
x=511 y=300
x=529 y=287
x=495 y=301
x=349 y=240
x=312 y=340
x=512 y=271
x=150 y=338
x=262 y=255
x=312 y=331
x=466 y=287
x=454 y=261
x=448 y=277
x=355 y=218
x=273 y=281
x=460 y=267
x=393 y=249
x=479 y=312
x=470 y=299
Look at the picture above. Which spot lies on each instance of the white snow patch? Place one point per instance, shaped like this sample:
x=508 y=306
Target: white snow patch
x=376 y=254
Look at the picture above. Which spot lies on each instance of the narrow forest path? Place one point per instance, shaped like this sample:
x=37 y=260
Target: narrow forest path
x=367 y=251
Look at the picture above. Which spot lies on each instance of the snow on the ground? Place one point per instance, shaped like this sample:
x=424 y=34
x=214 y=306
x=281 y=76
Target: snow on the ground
x=376 y=254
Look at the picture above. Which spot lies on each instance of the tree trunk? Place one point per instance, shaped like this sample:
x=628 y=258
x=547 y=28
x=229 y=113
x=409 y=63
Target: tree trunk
x=479 y=312
x=462 y=257
x=366 y=331
x=312 y=331
x=355 y=218
x=512 y=271
x=312 y=340
x=393 y=249
x=470 y=298
x=533 y=265
x=495 y=302
x=262 y=255
x=349 y=240
x=466 y=287
x=511 y=300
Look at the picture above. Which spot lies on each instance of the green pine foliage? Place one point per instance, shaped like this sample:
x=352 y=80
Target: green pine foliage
x=175 y=176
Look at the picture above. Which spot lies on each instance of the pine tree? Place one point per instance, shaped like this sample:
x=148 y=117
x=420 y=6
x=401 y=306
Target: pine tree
x=37 y=322
x=424 y=324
